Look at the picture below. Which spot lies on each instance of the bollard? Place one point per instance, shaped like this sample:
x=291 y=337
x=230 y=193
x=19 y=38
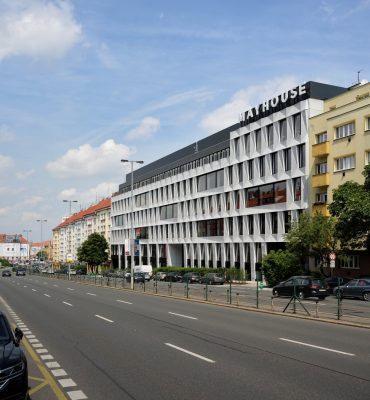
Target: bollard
x=257 y=295
x=237 y=299
x=272 y=303
x=317 y=308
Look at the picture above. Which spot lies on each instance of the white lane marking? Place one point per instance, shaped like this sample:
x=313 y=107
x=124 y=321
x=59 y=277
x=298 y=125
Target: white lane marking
x=47 y=295
x=41 y=351
x=67 y=383
x=105 y=319
x=190 y=353
x=91 y=294
x=58 y=372
x=122 y=301
x=55 y=285
x=77 y=395
x=34 y=290
x=317 y=347
x=47 y=357
x=24 y=285
x=52 y=364
x=33 y=340
x=30 y=336
x=68 y=304
x=37 y=345
x=69 y=288
x=181 y=315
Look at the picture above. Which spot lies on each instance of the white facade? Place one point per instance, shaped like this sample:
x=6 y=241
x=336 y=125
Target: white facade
x=14 y=251
x=226 y=208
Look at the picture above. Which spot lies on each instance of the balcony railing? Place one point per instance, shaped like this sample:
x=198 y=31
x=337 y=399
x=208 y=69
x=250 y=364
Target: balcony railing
x=320 y=180
x=320 y=149
x=321 y=208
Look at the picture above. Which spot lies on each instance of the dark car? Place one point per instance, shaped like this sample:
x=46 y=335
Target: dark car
x=191 y=277
x=335 y=281
x=212 y=278
x=305 y=286
x=139 y=277
x=20 y=272
x=173 y=277
x=6 y=272
x=356 y=288
x=13 y=363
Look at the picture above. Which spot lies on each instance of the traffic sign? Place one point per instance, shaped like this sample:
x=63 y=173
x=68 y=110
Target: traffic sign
x=332 y=263
x=332 y=256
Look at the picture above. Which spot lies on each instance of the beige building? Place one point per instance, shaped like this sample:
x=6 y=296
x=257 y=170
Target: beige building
x=339 y=150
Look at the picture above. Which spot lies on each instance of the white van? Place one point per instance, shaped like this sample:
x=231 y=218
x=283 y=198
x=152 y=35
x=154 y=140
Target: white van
x=145 y=269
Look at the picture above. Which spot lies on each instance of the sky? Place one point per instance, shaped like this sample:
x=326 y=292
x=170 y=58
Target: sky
x=85 y=83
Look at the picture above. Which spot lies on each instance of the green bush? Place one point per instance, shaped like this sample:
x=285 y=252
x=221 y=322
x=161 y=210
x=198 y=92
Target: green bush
x=233 y=273
x=280 y=265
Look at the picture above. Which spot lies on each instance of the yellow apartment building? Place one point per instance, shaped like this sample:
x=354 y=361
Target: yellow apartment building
x=339 y=149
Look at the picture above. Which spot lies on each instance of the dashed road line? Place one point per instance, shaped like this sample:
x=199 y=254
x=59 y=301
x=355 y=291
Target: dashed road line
x=47 y=295
x=67 y=304
x=181 y=315
x=318 y=347
x=122 y=301
x=91 y=294
x=103 y=318
x=69 y=288
x=190 y=353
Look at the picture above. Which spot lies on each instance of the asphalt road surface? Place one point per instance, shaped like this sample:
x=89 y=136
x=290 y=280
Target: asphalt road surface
x=114 y=344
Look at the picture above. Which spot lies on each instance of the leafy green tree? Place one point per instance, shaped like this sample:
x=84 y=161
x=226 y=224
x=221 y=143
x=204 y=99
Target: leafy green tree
x=351 y=208
x=93 y=251
x=280 y=265
x=5 y=263
x=312 y=236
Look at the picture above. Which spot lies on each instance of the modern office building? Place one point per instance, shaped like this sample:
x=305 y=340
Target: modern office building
x=73 y=231
x=339 y=150
x=228 y=199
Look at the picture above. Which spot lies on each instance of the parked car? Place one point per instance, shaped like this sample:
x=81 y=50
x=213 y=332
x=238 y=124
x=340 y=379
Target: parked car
x=13 y=363
x=20 y=272
x=305 y=286
x=356 y=288
x=6 y=272
x=191 y=277
x=212 y=278
x=334 y=281
x=139 y=277
x=173 y=277
x=160 y=276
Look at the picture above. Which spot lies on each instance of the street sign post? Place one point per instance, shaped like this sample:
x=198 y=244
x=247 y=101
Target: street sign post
x=332 y=263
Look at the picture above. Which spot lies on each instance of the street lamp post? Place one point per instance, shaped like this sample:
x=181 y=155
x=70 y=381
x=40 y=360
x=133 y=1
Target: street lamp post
x=42 y=244
x=132 y=217
x=27 y=231
x=70 y=204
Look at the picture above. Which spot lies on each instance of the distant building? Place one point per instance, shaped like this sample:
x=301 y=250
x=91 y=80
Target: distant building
x=339 y=150
x=14 y=247
x=71 y=233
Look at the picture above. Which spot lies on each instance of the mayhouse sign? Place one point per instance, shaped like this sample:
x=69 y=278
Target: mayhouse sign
x=275 y=104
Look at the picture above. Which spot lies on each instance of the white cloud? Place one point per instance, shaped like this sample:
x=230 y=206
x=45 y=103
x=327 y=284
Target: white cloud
x=244 y=99
x=37 y=28
x=33 y=200
x=30 y=216
x=24 y=175
x=148 y=126
x=4 y=210
x=5 y=162
x=89 y=161
x=6 y=135
x=89 y=196
x=106 y=57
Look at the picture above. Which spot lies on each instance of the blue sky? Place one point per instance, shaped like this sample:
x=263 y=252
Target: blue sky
x=84 y=83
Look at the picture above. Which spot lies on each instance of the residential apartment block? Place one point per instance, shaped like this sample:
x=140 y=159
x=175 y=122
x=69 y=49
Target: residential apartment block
x=71 y=233
x=228 y=199
x=339 y=150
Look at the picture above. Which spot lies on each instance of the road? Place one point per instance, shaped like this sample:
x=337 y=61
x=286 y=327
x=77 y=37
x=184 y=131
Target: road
x=116 y=344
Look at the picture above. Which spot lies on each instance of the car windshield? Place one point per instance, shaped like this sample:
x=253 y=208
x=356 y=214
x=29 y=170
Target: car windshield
x=4 y=332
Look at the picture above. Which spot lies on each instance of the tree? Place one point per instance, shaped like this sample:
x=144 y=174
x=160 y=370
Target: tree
x=93 y=251
x=280 y=265
x=312 y=236
x=351 y=208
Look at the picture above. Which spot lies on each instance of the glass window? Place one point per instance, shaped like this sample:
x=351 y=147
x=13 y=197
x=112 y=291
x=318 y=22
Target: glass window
x=253 y=197
x=240 y=172
x=267 y=194
x=301 y=155
x=321 y=168
x=270 y=135
x=287 y=220
x=230 y=170
x=287 y=159
x=322 y=137
x=297 y=124
x=250 y=169
x=236 y=143
x=345 y=130
x=258 y=139
x=261 y=162
x=247 y=143
x=344 y=163
x=231 y=230
x=250 y=224
x=274 y=222
x=240 y=225
x=283 y=130
x=273 y=162
x=237 y=200
x=297 y=188
x=321 y=198
x=280 y=192
x=262 y=224
x=220 y=178
x=211 y=180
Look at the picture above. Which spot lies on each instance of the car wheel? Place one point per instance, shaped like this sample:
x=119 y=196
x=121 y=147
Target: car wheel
x=366 y=296
x=301 y=295
x=275 y=293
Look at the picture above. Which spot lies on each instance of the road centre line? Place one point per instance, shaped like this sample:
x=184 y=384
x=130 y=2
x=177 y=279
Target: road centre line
x=190 y=353
x=105 y=319
x=318 y=347
x=181 y=315
x=91 y=294
x=68 y=304
x=34 y=290
x=47 y=295
x=69 y=288
x=122 y=301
